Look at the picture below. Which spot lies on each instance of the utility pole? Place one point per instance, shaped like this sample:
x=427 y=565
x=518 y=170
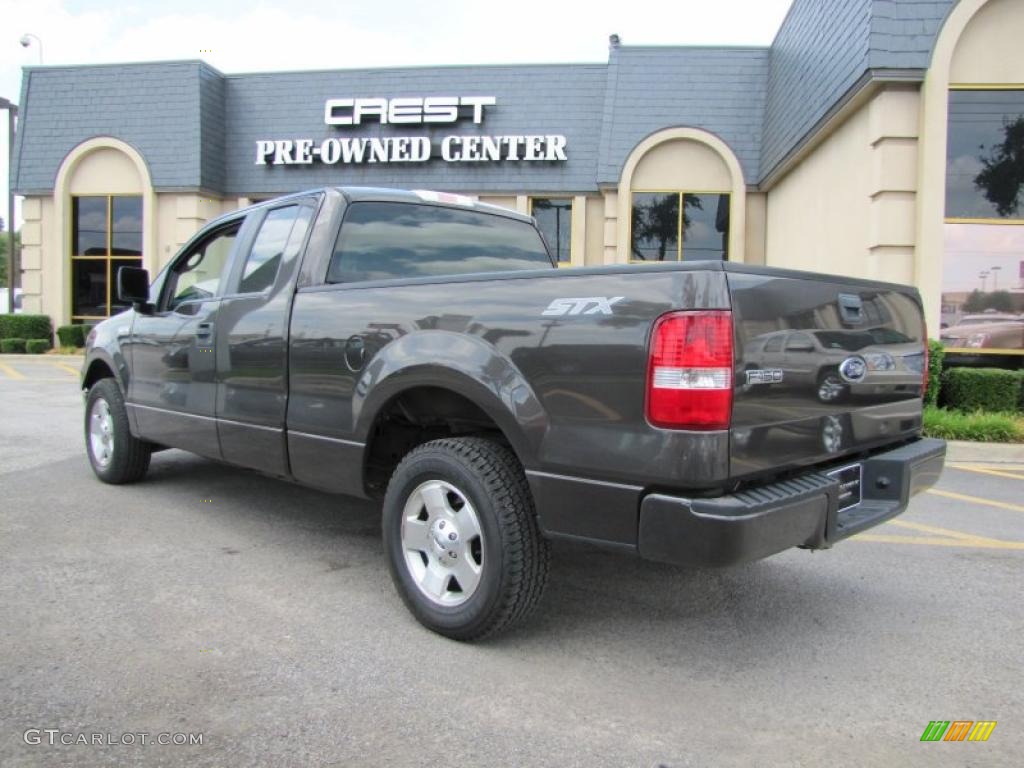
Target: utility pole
x=12 y=113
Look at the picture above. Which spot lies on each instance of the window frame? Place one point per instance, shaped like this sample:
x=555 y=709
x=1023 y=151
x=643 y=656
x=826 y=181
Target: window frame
x=945 y=177
x=418 y=279
x=988 y=221
x=201 y=239
x=574 y=258
x=680 y=193
x=253 y=224
x=109 y=258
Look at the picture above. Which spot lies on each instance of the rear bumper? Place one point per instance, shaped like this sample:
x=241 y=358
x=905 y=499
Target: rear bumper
x=800 y=512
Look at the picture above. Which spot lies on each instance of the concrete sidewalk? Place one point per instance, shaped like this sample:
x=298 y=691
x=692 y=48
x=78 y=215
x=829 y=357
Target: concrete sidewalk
x=992 y=453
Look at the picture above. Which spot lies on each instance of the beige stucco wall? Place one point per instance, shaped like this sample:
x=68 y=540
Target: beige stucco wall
x=989 y=48
x=848 y=207
x=979 y=44
x=682 y=166
x=594 y=238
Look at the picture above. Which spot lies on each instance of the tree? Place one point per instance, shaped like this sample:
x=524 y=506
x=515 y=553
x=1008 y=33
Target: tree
x=975 y=302
x=3 y=254
x=1002 y=173
x=1000 y=301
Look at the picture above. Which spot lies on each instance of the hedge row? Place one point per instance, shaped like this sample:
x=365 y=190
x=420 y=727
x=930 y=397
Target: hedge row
x=19 y=346
x=73 y=335
x=983 y=389
x=936 y=354
x=25 y=327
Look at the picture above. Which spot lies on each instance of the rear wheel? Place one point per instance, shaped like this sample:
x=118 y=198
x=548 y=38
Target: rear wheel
x=115 y=454
x=462 y=539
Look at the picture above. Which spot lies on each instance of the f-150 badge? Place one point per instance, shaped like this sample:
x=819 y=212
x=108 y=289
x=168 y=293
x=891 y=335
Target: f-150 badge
x=764 y=376
x=590 y=305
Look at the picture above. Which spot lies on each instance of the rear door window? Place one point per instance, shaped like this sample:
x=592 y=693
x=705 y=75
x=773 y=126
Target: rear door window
x=280 y=237
x=379 y=241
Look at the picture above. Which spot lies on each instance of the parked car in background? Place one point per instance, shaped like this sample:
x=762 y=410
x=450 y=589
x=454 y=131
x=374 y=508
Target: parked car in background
x=986 y=331
x=886 y=361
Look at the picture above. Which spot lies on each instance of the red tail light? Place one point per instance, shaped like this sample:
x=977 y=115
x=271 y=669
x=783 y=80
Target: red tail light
x=689 y=374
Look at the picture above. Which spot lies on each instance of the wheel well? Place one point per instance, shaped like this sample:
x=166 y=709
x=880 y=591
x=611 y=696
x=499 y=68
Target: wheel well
x=417 y=416
x=97 y=370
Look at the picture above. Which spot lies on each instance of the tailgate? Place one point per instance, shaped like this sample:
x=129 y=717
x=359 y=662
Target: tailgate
x=826 y=367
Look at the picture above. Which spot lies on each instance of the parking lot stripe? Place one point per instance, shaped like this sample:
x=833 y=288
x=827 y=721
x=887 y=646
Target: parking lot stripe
x=969 y=539
x=68 y=368
x=10 y=372
x=986 y=471
x=977 y=500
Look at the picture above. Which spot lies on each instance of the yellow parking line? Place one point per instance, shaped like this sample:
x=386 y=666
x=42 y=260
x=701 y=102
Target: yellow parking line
x=10 y=372
x=64 y=366
x=935 y=541
x=941 y=537
x=977 y=500
x=985 y=471
x=935 y=529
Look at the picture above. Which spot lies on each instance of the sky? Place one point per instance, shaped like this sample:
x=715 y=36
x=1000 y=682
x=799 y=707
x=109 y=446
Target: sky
x=336 y=34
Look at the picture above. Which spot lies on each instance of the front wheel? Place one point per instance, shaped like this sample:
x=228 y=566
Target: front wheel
x=462 y=539
x=831 y=387
x=115 y=454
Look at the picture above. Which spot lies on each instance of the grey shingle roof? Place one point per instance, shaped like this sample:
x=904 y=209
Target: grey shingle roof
x=825 y=46
x=153 y=107
x=761 y=101
x=721 y=90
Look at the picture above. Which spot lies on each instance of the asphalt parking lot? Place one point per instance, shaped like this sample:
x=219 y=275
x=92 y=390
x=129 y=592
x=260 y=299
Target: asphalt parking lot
x=210 y=600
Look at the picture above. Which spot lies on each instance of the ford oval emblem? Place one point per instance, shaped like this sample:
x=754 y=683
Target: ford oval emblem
x=853 y=369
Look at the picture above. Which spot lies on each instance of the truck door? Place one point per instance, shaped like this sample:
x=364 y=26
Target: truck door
x=252 y=338
x=171 y=393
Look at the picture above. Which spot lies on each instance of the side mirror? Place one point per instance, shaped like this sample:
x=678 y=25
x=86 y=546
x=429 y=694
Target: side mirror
x=133 y=287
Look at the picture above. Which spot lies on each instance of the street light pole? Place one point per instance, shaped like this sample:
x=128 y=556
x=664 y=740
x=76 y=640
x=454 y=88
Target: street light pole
x=12 y=113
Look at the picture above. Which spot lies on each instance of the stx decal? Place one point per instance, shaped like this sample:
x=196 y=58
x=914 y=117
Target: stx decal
x=591 y=305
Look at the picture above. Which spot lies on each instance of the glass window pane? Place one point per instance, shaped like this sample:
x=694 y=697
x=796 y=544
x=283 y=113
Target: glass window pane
x=554 y=219
x=705 y=227
x=655 y=227
x=261 y=266
x=198 y=276
x=983 y=286
x=387 y=240
x=127 y=226
x=89 y=287
x=88 y=226
x=983 y=151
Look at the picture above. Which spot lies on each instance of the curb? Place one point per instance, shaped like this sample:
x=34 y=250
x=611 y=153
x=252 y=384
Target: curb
x=993 y=453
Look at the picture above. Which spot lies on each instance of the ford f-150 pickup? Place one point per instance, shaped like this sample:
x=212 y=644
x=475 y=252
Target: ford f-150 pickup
x=423 y=349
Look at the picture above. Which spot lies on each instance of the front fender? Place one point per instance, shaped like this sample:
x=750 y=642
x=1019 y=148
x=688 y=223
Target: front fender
x=466 y=365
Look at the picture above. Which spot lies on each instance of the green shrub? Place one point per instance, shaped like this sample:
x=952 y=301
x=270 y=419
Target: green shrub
x=37 y=346
x=979 y=426
x=11 y=346
x=982 y=389
x=936 y=355
x=25 y=327
x=73 y=335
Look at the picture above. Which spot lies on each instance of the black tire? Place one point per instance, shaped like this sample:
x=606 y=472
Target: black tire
x=831 y=388
x=128 y=457
x=513 y=554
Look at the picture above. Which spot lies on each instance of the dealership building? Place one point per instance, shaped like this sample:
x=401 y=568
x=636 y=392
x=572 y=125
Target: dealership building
x=873 y=138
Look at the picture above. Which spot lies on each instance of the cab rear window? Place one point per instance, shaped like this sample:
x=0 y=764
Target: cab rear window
x=381 y=241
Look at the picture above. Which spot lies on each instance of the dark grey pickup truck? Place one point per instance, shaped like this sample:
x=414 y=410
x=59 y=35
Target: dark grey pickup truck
x=423 y=349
